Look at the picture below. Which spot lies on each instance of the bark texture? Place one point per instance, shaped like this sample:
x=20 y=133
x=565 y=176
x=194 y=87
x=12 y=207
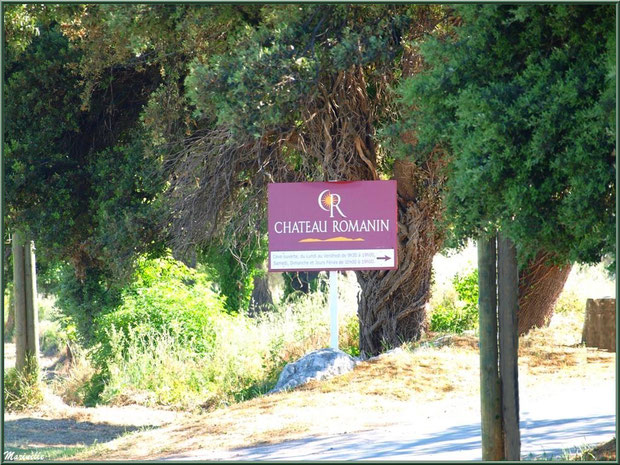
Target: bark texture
x=392 y=304
x=540 y=285
x=335 y=139
x=261 y=299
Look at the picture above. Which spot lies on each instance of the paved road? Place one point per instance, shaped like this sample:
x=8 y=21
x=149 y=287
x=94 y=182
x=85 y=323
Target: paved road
x=553 y=422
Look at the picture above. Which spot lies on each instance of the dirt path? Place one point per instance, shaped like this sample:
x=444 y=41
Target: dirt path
x=451 y=432
x=58 y=425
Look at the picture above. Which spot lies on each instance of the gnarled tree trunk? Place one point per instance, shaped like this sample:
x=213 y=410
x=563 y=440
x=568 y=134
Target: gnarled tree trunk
x=261 y=299
x=392 y=304
x=540 y=285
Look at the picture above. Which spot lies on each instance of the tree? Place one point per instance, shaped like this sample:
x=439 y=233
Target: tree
x=78 y=179
x=95 y=104
x=299 y=95
x=523 y=100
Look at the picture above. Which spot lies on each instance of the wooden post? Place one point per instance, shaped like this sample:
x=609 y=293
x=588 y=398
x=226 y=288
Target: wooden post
x=508 y=304
x=25 y=298
x=19 y=298
x=490 y=389
x=32 y=310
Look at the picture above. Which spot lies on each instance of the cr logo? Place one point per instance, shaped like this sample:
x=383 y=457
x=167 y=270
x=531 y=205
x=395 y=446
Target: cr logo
x=330 y=202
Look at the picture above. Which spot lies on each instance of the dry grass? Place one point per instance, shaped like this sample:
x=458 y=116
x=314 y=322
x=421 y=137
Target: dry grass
x=602 y=452
x=387 y=389
x=555 y=353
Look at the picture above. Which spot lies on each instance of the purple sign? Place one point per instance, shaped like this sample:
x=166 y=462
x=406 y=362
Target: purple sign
x=332 y=226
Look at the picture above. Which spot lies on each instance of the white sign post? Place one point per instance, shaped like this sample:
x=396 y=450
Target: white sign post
x=333 y=309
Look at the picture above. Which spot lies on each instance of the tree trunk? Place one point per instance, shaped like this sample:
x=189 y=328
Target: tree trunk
x=32 y=310
x=261 y=299
x=392 y=304
x=540 y=285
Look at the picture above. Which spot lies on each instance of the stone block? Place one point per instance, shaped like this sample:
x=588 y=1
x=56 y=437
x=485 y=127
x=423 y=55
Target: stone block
x=320 y=364
x=599 y=329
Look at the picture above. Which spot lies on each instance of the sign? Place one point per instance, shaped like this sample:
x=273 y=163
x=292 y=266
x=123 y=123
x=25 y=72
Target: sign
x=316 y=226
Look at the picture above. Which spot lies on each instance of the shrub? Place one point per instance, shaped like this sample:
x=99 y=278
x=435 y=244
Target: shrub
x=83 y=299
x=233 y=265
x=51 y=338
x=171 y=342
x=77 y=386
x=152 y=368
x=461 y=315
x=349 y=337
x=22 y=389
x=570 y=302
x=166 y=297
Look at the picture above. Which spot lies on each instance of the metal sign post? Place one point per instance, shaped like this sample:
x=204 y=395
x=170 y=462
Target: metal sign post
x=333 y=309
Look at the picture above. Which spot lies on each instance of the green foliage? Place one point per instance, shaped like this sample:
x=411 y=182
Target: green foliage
x=233 y=266
x=522 y=98
x=126 y=205
x=167 y=298
x=466 y=287
x=42 y=115
x=151 y=367
x=302 y=282
x=569 y=302
x=80 y=179
x=461 y=315
x=22 y=389
x=53 y=337
x=82 y=300
x=270 y=69
x=349 y=336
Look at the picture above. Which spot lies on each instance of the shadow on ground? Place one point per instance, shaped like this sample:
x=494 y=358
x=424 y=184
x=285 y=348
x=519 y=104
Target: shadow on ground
x=61 y=432
x=541 y=438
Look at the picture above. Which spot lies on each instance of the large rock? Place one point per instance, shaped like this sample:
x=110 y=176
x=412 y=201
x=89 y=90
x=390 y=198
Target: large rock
x=320 y=364
x=599 y=328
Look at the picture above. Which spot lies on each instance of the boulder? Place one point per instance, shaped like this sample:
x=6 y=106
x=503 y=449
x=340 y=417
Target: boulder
x=599 y=328
x=320 y=364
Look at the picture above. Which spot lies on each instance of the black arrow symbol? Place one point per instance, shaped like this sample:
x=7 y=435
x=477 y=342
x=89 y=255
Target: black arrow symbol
x=386 y=258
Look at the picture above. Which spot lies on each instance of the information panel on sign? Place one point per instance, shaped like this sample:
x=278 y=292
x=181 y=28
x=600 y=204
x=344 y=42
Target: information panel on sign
x=315 y=226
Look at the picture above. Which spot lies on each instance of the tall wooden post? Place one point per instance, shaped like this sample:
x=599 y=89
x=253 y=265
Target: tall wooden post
x=32 y=309
x=490 y=389
x=19 y=298
x=25 y=298
x=508 y=304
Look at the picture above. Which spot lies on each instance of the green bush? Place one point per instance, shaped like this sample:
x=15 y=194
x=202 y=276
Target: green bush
x=462 y=315
x=570 y=302
x=150 y=367
x=349 y=339
x=83 y=299
x=22 y=389
x=167 y=298
x=232 y=265
x=172 y=342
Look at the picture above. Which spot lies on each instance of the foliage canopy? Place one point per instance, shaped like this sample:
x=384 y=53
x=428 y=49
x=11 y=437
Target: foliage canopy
x=523 y=98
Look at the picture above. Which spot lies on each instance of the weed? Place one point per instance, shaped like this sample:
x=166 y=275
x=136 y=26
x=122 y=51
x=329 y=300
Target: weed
x=75 y=387
x=569 y=302
x=22 y=388
x=460 y=314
